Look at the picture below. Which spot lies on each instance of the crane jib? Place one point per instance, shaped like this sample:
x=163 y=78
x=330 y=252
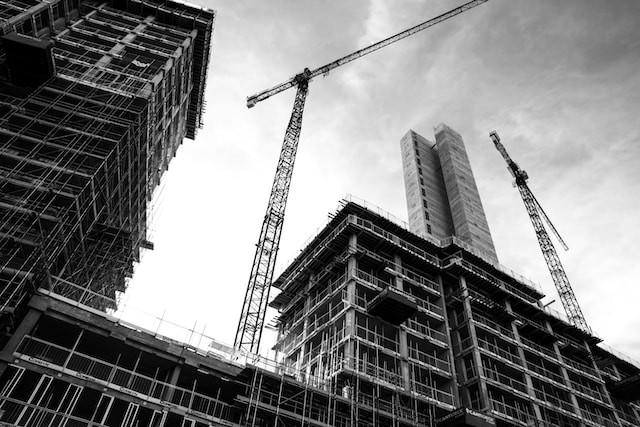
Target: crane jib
x=261 y=96
x=250 y=326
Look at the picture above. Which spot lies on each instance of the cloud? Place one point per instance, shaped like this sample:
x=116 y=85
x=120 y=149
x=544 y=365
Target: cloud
x=557 y=80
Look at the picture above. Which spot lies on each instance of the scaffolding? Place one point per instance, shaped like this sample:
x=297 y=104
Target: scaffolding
x=83 y=151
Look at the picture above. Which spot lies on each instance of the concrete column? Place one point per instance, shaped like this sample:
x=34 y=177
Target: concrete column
x=402 y=334
x=527 y=378
x=448 y=329
x=565 y=375
x=605 y=392
x=484 y=391
x=173 y=380
x=24 y=328
x=350 y=316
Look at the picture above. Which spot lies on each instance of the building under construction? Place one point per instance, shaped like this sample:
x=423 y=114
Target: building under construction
x=95 y=99
x=377 y=327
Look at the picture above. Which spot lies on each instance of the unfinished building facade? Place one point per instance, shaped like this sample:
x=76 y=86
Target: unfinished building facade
x=95 y=99
x=411 y=329
x=377 y=327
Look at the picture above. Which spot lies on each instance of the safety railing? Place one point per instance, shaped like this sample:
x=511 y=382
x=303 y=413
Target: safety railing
x=423 y=329
x=554 y=401
x=495 y=327
x=538 y=348
x=505 y=380
x=432 y=393
x=510 y=411
x=499 y=351
x=588 y=390
x=546 y=374
x=597 y=419
x=429 y=359
x=111 y=374
x=579 y=367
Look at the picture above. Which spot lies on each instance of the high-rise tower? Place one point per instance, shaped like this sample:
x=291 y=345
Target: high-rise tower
x=95 y=99
x=441 y=192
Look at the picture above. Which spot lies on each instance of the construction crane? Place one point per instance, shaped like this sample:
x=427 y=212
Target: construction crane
x=538 y=218
x=254 y=308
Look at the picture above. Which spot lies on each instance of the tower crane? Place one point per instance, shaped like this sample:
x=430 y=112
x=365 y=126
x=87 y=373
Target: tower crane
x=538 y=218
x=254 y=307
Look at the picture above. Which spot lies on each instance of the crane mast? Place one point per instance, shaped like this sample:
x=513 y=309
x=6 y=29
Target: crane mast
x=538 y=219
x=249 y=331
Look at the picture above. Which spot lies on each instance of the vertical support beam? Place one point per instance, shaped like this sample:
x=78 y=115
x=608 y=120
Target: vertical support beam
x=482 y=383
x=173 y=380
x=25 y=327
x=451 y=359
x=402 y=334
x=350 y=316
x=565 y=375
x=527 y=377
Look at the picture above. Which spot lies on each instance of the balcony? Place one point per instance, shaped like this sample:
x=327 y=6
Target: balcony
x=422 y=329
x=504 y=380
x=587 y=391
x=539 y=349
x=377 y=339
x=371 y=370
x=456 y=260
x=393 y=306
x=547 y=375
x=499 y=352
x=397 y=241
x=379 y=284
x=597 y=419
x=511 y=412
x=493 y=326
x=415 y=279
x=432 y=361
x=432 y=393
x=580 y=368
x=555 y=402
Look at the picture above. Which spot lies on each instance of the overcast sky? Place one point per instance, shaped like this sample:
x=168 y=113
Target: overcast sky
x=558 y=80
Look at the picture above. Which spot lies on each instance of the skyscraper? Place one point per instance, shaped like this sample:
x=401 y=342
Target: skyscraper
x=441 y=192
x=95 y=98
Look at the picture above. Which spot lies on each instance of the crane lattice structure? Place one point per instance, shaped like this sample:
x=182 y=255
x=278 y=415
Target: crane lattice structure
x=538 y=218
x=256 y=298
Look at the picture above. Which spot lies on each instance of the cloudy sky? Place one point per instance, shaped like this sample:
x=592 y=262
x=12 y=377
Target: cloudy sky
x=558 y=80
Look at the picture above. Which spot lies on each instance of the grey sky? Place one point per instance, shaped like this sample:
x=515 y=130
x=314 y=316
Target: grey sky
x=558 y=80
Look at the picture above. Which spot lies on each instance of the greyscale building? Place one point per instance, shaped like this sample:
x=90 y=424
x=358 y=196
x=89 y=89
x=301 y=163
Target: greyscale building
x=441 y=193
x=95 y=99
x=378 y=325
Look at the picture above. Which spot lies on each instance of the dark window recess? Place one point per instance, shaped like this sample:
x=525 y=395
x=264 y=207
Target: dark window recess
x=426 y=215
x=420 y=171
x=421 y=181
x=86 y=403
x=102 y=409
x=424 y=193
x=429 y=228
x=418 y=161
x=25 y=27
x=42 y=20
